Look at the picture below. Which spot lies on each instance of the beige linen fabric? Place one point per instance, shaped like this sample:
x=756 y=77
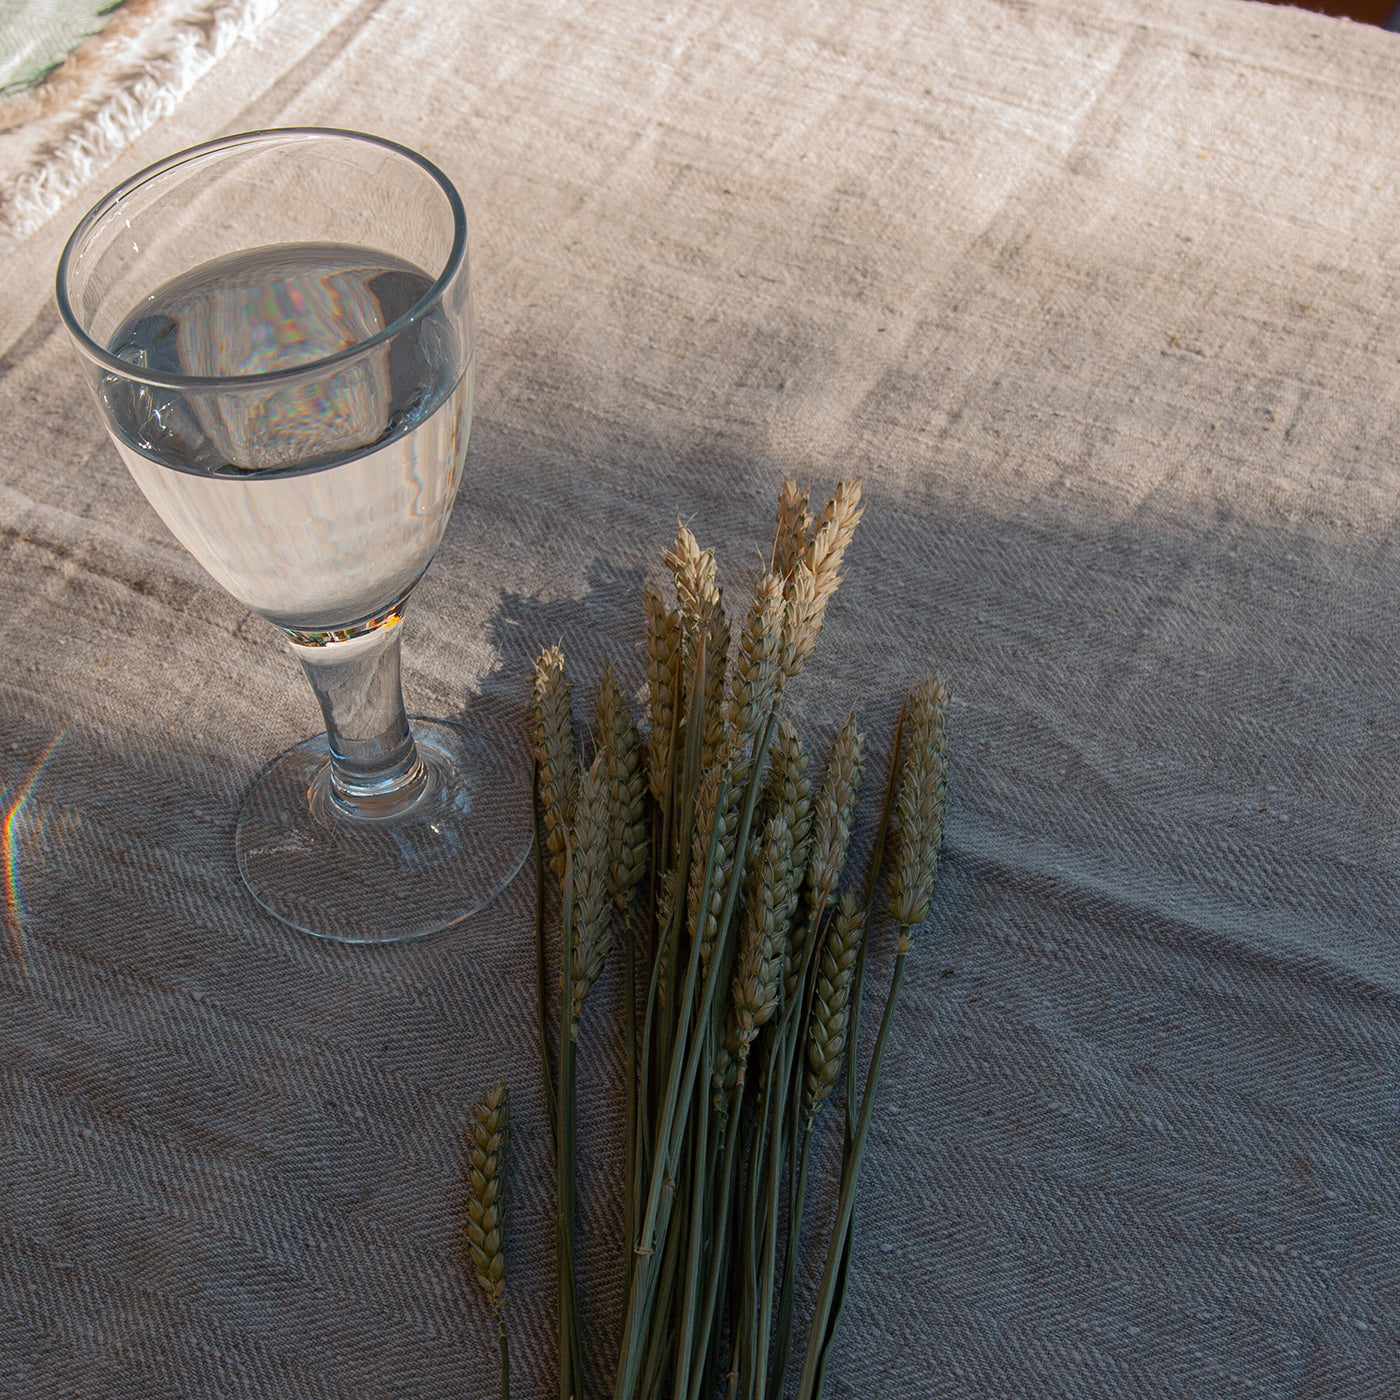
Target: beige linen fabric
x=1101 y=299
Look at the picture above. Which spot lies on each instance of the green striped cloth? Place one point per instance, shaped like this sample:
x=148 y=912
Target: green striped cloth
x=37 y=35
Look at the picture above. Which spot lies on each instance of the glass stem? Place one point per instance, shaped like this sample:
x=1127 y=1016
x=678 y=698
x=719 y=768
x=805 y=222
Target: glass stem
x=375 y=770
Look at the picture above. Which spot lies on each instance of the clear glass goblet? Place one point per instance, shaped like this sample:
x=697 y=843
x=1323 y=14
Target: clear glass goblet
x=277 y=328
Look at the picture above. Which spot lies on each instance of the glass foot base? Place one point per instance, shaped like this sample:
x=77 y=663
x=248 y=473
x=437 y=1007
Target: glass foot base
x=388 y=879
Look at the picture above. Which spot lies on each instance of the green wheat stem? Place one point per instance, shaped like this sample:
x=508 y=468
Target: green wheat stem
x=677 y=1242
x=660 y=941
x=663 y=1158
x=691 y=1300
x=746 y=1325
x=542 y=980
x=663 y=837
x=818 y=1339
x=755 y=1227
x=668 y=1129
x=777 y=1158
x=695 y=1261
x=658 y=1026
x=787 y=1075
x=655 y=934
x=569 y=1347
x=798 y=1207
x=719 y=1252
x=671 y=1017
x=746 y=1322
x=872 y=880
x=797 y=1199
x=641 y=1296
x=630 y=1034
x=668 y=808
x=787 y=1292
x=798 y=1032
x=660 y=1338
x=716 y=1224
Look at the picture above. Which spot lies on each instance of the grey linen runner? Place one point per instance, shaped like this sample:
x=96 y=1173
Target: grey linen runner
x=1101 y=299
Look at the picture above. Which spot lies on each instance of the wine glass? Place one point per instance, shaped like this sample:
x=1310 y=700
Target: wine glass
x=278 y=330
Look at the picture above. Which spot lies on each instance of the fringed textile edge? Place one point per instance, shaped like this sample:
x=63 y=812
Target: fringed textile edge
x=146 y=91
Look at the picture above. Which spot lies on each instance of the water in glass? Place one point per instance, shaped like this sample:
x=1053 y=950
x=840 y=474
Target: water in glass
x=322 y=505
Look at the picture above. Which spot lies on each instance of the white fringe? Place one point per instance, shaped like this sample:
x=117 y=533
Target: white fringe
x=145 y=92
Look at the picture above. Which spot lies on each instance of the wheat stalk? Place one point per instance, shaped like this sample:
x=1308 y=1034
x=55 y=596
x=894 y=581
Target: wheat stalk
x=628 y=846
x=830 y=841
x=826 y=1032
x=760 y=984
x=682 y=1069
x=919 y=809
x=732 y=966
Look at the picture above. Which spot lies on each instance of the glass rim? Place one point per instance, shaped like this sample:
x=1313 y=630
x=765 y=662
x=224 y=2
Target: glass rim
x=102 y=356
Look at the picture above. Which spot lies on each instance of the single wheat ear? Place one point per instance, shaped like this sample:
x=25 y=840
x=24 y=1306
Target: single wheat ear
x=486 y=1195
x=627 y=784
x=592 y=925
x=818 y=575
x=665 y=903
x=758 y=976
x=716 y=664
x=834 y=815
x=663 y=682
x=915 y=800
x=555 y=753
x=792 y=531
x=702 y=615
x=716 y=830
x=920 y=807
x=755 y=678
x=791 y=797
x=831 y=1002
x=694 y=572
x=833 y=535
x=791 y=787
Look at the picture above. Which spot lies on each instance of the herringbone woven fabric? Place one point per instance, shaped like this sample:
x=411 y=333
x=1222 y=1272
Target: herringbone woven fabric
x=1100 y=296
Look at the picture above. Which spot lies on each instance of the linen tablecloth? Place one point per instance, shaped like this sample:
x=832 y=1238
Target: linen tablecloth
x=1100 y=298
